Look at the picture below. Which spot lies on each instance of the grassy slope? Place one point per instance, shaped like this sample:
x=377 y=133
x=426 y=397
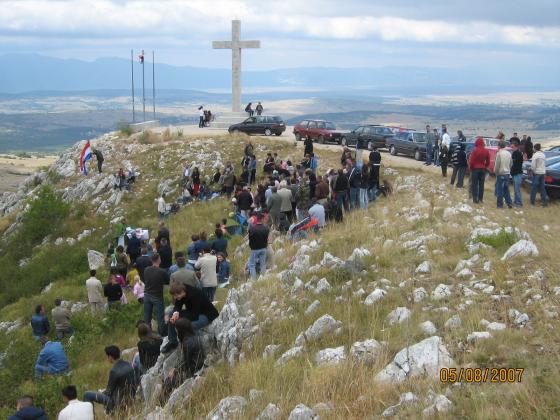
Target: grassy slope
x=300 y=380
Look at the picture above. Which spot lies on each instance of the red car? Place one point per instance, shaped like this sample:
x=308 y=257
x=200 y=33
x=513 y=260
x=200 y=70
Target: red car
x=318 y=130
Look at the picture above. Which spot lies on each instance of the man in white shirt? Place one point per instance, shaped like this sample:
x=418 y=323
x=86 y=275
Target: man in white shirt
x=161 y=206
x=95 y=293
x=445 y=139
x=538 y=167
x=317 y=211
x=201 y=117
x=75 y=409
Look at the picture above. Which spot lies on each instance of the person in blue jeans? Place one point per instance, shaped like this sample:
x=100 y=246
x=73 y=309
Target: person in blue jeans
x=154 y=280
x=258 y=242
x=429 y=145
x=517 y=173
x=52 y=359
x=538 y=167
x=40 y=323
x=354 y=179
x=502 y=169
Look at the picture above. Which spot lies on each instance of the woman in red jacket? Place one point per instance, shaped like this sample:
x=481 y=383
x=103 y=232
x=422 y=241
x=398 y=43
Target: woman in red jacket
x=478 y=164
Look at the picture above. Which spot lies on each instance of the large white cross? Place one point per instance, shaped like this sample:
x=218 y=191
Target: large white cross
x=235 y=45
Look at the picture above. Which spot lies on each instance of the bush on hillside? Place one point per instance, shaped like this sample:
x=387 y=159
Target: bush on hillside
x=125 y=129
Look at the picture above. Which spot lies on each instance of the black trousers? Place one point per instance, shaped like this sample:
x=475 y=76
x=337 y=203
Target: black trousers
x=478 y=176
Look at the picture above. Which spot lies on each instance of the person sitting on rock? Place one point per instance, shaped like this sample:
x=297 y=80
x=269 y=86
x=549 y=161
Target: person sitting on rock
x=39 y=323
x=148 y=349
x=27 y=411
x=75 y=409
x=121 y=386
x=192 y=360
x=223 y=270
x=190 y=303
x=52 y=359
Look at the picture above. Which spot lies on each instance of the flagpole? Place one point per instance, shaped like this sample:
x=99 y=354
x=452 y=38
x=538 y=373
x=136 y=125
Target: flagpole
x=132 y=73
x=154 y=82
x=143 y=88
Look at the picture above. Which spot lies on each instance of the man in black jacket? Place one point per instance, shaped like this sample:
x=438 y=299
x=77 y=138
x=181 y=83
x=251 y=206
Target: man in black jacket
x=517 y=172
x=192 y=304
x=143 y=261
x=166 y=254
x=308 y=146
x=244 y=202
x=375 y=160
x=99 y=157
x=154 y=280
x=121 y=387
x=258 y=242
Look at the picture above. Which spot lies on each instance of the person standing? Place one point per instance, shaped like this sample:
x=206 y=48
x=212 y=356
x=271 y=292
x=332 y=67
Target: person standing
x=529 y=148
x=252 y=170
x=39 y=323
x=429 y=146
x=538 y=166
x=259 y=109
x=113 y=292
x=121 y=386
x=161 y=206
x=286 y=196
x=341 y=188
x=244 y=202
x=258 y=242
x=61 y=318
x=375 y=159
x=361 y=145
x=478 y=163
x=154 y=280
x=444 y=159
x=502 y=168
x=461 y=137
x=436 y=147
x=166 y=254
x=354 y=179
x=514 y=139
x=99 y=158
x=95 y=292
x=52 y=359
x=445 y=138
x=200 y=117
x=143 y=261
x=249 y=109
x=274 y=208
x=364 y=185
x=75 y=409
x=517 y=173
x=207 y=264
x=303 y=197
x=461 y=164
x=307 y=146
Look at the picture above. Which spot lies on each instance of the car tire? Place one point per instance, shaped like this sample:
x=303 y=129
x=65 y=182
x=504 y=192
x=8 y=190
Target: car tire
x=343 y=141
x=321 y=140
x=393 y=150
x=298 y=137
x=267 y=132
x=417 y=155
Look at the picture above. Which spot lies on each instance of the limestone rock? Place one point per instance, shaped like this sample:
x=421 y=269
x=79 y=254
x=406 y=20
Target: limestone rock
x=270 y=412
x=407 y=398
x=323 y=286
x=290 y=354
x=398 y=315
x=228 y=408
x=419 y=294
x=312 y=307
x=428 y=327
x=375 y=296
x=330 y=356
x=496 y=326
x=270 y=350
x=518 y=318
x=453 y=323
x=522 y=248
x=322 y=326
x=424 y=358
x=441 y=405
x=424 y=268
x=477 y=336
x=366 y=352
x=441 y=292
x=331 y=261
x=302 y=412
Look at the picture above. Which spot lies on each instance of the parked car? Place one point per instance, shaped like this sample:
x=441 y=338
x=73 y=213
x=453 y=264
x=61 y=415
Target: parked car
x=371 y=135
x=551 y=178
x=410 y=143
x=260 y=124
x=319 y=131
x=553 y=149
x=491 y=145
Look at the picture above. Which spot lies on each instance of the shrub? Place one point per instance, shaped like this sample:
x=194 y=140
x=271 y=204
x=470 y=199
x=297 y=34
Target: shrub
x=500 y=241
x=124 y=128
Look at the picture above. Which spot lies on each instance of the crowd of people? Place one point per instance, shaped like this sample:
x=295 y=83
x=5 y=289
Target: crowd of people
x=294 y=199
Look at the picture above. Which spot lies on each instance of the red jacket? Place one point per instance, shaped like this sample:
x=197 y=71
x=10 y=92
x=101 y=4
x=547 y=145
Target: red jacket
x=480 y=157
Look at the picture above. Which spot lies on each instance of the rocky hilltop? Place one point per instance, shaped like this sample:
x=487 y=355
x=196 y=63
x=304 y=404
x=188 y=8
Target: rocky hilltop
x=423 y=305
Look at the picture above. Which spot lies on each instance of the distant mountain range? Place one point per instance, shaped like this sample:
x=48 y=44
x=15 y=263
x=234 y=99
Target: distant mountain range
x=31 y=72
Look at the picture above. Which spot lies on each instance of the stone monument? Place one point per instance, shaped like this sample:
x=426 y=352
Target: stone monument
x=235 y=45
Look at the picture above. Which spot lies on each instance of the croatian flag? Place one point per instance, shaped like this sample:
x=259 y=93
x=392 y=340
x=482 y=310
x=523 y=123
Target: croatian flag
x=84 y=157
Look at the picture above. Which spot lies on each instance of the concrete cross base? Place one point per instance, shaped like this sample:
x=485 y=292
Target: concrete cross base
x=225 y=120
x=141 y=126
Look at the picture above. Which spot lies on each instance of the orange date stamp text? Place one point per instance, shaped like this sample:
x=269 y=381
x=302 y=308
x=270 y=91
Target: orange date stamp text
x=481 y=375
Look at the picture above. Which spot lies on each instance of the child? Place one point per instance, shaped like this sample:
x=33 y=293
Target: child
x=138 y=289
x=222 y=270
x=131 y=276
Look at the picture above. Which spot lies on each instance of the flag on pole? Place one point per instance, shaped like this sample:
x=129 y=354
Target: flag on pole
x=84 y=157
x=141 y=57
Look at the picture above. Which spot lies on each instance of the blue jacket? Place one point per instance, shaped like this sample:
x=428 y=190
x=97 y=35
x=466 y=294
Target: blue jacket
x=40 y=325
x=53 y=355
x=223 y=271
x=29 y=413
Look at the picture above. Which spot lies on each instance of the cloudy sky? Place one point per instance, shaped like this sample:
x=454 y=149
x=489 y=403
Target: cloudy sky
x=294 y=33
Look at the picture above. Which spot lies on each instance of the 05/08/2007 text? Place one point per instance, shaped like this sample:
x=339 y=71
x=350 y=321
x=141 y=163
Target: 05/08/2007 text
x=481 y=375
